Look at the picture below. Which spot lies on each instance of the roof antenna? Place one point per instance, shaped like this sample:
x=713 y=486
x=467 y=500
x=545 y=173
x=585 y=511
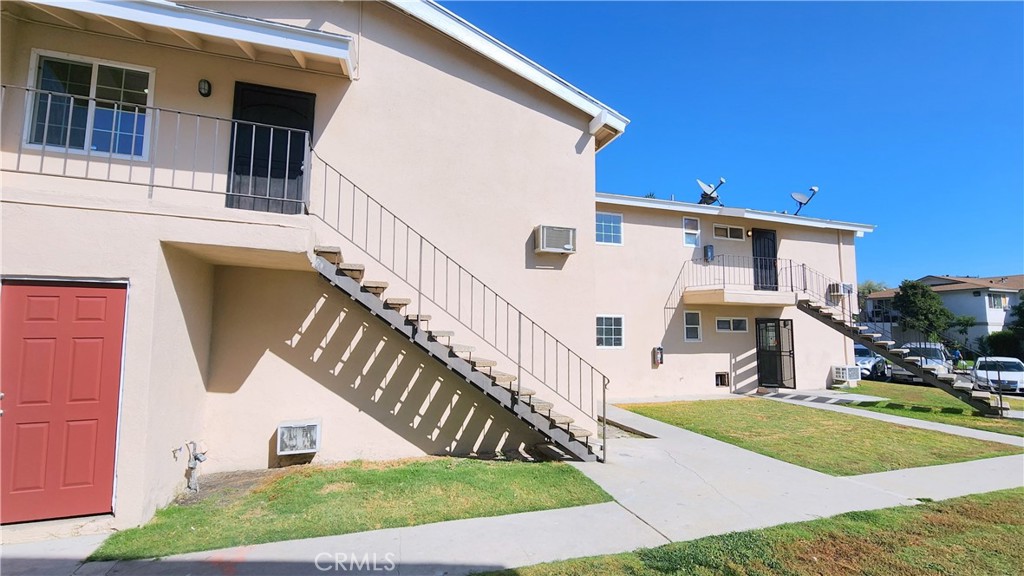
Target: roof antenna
x=803 y=199
x=709 y=194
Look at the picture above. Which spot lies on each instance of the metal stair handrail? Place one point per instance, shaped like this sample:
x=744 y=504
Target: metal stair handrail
x=389 y=240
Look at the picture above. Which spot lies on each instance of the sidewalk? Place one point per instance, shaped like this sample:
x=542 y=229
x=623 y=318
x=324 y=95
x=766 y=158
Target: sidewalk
x=676 y=486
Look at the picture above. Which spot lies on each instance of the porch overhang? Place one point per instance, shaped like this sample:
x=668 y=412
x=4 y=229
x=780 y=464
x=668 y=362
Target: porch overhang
x=197 y=29
x=738 y=297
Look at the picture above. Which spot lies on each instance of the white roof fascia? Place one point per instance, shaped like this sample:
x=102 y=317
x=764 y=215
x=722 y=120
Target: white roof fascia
x=452 y=25
x=723 y=211
x=166 y=14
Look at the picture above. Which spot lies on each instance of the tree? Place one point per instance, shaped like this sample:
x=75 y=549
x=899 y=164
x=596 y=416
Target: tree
x=921 y=309
x=1003 y=343
x=1016 y=323
x=865 y=288
x=962 y=324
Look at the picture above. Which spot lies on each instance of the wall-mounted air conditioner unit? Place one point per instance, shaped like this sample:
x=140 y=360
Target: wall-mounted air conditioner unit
x=845 y=373
x=554 y=240
x=298 y=437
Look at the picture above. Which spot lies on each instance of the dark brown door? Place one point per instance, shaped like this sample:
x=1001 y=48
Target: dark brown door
x=61 y=375
x=766 y=273
x=268 y=145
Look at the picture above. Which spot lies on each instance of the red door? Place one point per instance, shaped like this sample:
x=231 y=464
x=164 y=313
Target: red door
x=60 y=373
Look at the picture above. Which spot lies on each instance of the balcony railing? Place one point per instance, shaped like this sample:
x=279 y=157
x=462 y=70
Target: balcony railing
x=731 y=272
x=254 y=166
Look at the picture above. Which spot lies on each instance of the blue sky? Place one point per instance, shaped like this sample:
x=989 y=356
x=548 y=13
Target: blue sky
x=908 y=116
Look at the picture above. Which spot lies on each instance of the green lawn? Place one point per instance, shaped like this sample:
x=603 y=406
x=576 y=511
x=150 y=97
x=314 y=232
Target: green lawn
x=829 y=442
x=927 y=403
x=976 y=535
x=312 y=501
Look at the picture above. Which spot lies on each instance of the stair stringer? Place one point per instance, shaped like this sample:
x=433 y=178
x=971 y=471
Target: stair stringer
x=442 y=354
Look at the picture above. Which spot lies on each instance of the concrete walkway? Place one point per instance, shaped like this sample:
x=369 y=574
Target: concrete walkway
x=676 y=486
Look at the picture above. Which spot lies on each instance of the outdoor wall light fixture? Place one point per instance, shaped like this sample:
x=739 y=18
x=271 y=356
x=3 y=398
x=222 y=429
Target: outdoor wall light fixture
x=205 y=88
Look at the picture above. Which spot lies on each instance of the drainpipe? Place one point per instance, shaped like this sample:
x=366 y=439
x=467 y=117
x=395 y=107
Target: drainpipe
x=196 y=456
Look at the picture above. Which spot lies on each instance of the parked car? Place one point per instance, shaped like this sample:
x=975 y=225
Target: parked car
x=872 y=365
x=999 y=374
x=931 y=354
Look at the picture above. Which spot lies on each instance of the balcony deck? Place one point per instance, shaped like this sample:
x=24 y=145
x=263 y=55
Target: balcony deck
x=738 y=296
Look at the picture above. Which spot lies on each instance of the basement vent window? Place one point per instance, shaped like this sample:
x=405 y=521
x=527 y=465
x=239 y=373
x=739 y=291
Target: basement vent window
x=722 y=379
x=298 y=437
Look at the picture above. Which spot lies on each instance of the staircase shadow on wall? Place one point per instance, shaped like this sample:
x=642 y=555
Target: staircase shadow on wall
x=342 y=347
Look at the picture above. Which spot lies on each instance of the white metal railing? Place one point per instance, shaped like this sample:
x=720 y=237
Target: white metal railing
x=256 y=166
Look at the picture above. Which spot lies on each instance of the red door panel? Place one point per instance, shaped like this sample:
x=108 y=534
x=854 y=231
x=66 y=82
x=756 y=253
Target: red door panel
x=60 y=373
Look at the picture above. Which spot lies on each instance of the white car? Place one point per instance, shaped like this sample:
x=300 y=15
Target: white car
x=872 y=366
x=930 y=353
x=999 y=373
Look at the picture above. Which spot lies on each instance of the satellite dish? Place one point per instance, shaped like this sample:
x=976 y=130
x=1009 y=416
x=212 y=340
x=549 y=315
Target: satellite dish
x=709 y=194
x=802 y=199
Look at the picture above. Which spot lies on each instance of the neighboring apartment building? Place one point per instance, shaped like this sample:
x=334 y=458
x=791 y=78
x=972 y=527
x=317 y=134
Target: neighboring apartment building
x=170 y=171
x=988 y=300
x=715 y=290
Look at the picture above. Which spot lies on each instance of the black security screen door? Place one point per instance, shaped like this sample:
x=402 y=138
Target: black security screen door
x=268 y=147
x=766 y=275
x=775 y=365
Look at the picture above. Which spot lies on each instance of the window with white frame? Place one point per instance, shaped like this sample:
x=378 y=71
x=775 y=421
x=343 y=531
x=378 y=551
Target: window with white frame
x=691 y=232
x=92 y=105
x=691 y=326
x=998 y=301
x=609 y=228
x=609 y=331
x=728 y=232
x=730 y=324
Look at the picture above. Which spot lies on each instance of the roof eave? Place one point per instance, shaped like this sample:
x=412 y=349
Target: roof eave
x=460 y=30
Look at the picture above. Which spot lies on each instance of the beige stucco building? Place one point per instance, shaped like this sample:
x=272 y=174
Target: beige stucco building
x=192 y=195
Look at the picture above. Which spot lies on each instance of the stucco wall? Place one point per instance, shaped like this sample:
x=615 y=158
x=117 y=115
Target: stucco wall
x=637 y=280
x=288 y=346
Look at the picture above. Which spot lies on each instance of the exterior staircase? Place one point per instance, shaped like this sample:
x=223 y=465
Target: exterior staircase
x=819 y=297
x=504 y=388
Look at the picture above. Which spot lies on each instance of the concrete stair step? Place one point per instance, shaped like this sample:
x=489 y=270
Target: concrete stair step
x=375 y=287
x=931 y=368
x=949 y=378
x=462 y=348
x=962 y=386
x=353 y=271
x=870 y=336
x=916 y=360
x=397 y=304
x=980 y=395
x=560 y=419
x=415 y=318
x=861 y=328
x=330 y=253
x=541 y=406
x=479 y=363
x=580 y=432
x=521 y=391
x=885 y=343
x=501 y=377
x=442 y=334
x=994 y=402
x=900 y=351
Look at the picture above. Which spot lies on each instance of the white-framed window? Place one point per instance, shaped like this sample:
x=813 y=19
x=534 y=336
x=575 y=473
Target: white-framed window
x=998 y=301
x=89 y=105
x=726 y=232
x=691 y=326
x=609 y=228
x=691 y=232
x=730 y=324
x=609 y=331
